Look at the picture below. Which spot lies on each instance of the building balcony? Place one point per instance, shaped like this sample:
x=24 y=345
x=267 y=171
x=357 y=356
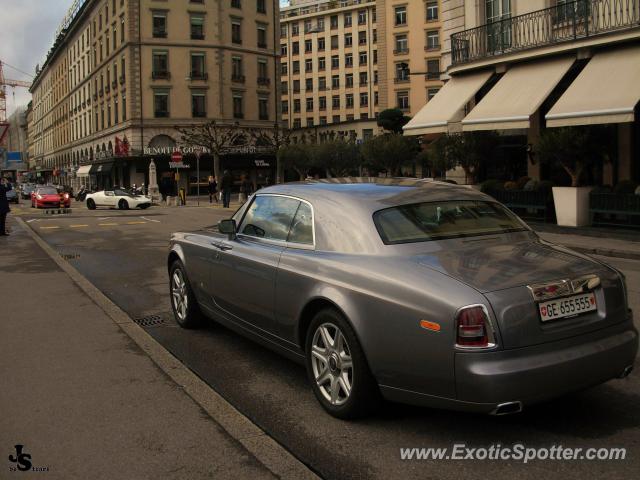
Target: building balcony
x=401 y=51
x=160 y=75
x=197 y=36
x=199 y=76
x=199 y=114
x=159 y=34
x=238 y=78
x=264 y=81
x=401 y=80
x=161 y=114
x=551 y=26
x=122 y=79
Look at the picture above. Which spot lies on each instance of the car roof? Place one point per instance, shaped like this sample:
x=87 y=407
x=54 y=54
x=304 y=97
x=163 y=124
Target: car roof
x=373 y=193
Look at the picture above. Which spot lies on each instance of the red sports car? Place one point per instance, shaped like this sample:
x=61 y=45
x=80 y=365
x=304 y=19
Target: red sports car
x=49 y=197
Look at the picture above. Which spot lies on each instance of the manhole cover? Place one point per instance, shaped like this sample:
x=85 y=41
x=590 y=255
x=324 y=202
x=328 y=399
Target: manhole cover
x=149 y=320
x=70 y=256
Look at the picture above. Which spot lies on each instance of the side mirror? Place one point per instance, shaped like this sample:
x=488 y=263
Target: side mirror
x=229 y=227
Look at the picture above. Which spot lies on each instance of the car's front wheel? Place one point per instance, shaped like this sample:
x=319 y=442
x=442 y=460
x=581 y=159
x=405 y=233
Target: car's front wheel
x=337 y=367
x=91 y=205
x=123 y=204
x=183 y=301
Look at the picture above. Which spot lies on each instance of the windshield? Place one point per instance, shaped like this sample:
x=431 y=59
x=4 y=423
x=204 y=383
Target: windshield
x=47 y=191
x=122 y=192
x=422 y=222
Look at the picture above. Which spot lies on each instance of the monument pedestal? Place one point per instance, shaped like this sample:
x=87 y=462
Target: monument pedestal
x=154 y=190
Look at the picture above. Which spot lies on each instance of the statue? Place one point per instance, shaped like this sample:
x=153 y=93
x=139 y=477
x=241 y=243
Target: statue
x=154 y=191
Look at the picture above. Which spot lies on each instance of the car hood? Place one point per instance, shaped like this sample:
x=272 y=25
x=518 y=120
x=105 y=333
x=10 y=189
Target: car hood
x=50 y=196
x=503 y=263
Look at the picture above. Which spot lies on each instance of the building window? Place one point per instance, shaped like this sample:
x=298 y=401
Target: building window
x=308 y=26
x=308 y=84
x=334 y=42
x=309 y=104
x=296 y=124
x=309 y=121
x=262 y=36
x=362 y=58
x=161 y=103
x=122 y=29
x=285 y=106
x=198 y=105
x=308 y=65
x=261 y=6
x=323 y=120
x=263 y=72
x=238 y=105
x=236 y=4
x=322 y=63
x=159 y=24
x=401 y=15
x=363 y=80
x=347 y=20
x=160 y=67
x=431 y=92
x=335 y=81
x=433 y=69
x=402 y=74
x=296 y=86
x=333 y=22
x=402 y=44
x=322 y=101
x=198 y=71
x=335 y=101
x=296 y=105
x=348 y=60
x=362 y=17
x=197 y=27
x=362 y=38
x=296 y=66
x=348 y=80
x=433 y=40
x=295 y=48
x=236 y=32
x=322 y=83
x=335 y=62
x=349 y=100
x=402 y=100
x=364 y=99
x=263 y=108
x=283 y=68
x=283 y=50
x=295 y=29
x=432 y=10
x=348 y=40
x=308 y=46
x=237 y=74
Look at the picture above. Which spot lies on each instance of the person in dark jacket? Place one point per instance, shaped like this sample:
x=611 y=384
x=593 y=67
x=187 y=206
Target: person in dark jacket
x=5 y=186
x=225 y=186
x=246 y=189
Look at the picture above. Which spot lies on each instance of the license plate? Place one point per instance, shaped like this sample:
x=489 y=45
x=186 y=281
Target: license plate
x=567 y=307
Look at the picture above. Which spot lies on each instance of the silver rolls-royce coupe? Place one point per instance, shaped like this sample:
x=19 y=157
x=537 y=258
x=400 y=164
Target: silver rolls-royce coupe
x=413 y=291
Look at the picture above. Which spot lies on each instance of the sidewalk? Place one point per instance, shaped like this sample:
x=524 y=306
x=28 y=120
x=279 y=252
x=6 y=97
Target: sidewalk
x=608 y=242
x=83 y=398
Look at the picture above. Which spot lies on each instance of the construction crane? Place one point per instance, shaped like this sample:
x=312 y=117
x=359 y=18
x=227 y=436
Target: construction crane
x=4 y=83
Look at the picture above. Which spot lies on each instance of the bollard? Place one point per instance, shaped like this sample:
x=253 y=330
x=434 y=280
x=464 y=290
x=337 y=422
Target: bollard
x=168 y=200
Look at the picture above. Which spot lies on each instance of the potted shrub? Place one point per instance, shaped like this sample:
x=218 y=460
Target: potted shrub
x=574 y=149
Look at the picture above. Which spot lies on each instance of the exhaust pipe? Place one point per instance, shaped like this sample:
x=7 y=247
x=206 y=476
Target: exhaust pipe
x=507 y=408
x=627 y=370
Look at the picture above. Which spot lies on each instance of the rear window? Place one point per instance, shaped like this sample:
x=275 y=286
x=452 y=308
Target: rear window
x=47 y=191
x=422 y=222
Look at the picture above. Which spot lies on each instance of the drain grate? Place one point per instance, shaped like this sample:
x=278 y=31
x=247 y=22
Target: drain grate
x=149 y=321
x=70 y=256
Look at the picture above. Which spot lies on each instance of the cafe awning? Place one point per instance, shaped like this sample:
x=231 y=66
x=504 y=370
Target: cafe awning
x=517 y=96
x=606 y=91
x=83 y=171
x=447 y=105
x=101 y=168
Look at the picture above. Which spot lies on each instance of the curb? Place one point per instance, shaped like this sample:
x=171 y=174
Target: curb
x=605 y=252
x=256 y=441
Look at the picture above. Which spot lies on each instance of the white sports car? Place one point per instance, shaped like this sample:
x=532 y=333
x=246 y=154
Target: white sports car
x=117 y=198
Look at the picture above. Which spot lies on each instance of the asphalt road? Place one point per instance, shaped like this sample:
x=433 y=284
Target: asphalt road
x=124 y=255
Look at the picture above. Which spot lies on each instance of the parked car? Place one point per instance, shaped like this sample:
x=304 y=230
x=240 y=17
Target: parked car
x=12 y=195
x=49 y=197
x=422 y=292
x=117 y=198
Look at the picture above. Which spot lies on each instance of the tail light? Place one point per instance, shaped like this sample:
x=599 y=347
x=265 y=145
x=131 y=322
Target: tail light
x=66 y=196
x=473 y=328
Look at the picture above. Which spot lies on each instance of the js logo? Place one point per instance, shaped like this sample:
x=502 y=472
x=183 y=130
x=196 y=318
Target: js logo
x=22 y=459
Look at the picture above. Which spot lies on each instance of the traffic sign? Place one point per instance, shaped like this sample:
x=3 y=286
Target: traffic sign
x=176 y=156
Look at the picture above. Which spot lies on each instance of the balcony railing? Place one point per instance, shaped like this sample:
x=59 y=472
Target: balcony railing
x=307 y=9
x=562 y=23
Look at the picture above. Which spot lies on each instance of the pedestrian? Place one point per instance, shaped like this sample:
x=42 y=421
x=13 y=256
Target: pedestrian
x=226 y=184
x=213 y=189
x=5 y=186
x=246 y=189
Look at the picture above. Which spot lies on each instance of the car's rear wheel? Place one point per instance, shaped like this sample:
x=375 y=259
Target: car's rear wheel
x=123 y=204
x=337 y=367
x=91 y=205
x=183 y=301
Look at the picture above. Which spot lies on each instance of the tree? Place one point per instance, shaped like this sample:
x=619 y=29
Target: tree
x=467 y=150
x=339 y=158
x=574 y=149
x=211 y=136
x=392 y=120
x=296 y=156
x=390 y=152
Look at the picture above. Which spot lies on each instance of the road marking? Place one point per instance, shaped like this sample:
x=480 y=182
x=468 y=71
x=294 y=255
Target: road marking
x=32 y=220
x=48 y=228
x=78 y=226
x=107 y=224
x=136 y=223
x=150 y=220
x=104 y=218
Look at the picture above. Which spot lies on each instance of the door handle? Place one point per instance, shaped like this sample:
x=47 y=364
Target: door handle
x=222 y=246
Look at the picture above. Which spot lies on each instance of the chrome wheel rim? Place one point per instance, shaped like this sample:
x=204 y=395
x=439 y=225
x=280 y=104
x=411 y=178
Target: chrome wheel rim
x=331 y=363
x=179 y=294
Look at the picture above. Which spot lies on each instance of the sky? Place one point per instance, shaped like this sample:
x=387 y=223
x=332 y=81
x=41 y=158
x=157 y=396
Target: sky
x=27 y=30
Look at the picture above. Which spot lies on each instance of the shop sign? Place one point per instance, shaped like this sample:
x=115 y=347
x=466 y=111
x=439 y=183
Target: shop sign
x=262 y=163
x=179 y=165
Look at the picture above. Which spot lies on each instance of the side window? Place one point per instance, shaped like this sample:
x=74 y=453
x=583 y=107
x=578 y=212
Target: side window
x=302 y=227
x=108 y=194
x=269 y=217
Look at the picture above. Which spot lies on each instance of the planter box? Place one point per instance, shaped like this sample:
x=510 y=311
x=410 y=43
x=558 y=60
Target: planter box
x=572 y=206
